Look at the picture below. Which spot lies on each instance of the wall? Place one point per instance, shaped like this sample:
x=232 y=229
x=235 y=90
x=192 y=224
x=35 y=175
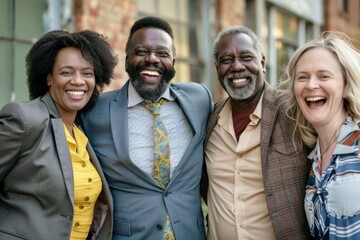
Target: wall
x=113 y=19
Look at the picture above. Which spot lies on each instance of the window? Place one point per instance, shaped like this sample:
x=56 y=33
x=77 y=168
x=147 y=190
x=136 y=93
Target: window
x=184 y=18
x=343 y=5
x=286 y=36
x=20 y=24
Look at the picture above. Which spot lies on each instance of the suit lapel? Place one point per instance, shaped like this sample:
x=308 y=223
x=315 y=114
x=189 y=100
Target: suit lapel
x=269 y=112
x=186 y=104
x=191 y=114
x=64 y=155
x=61 y=145
x=120 y=132
x=119 y=123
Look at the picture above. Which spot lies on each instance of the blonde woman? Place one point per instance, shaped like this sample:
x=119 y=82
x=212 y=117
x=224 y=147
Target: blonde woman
x=324 y=98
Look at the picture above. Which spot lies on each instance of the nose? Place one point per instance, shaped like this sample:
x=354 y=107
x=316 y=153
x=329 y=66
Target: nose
x=78 y=78
x=237 y=65
x=151 y=58
x=312 y=83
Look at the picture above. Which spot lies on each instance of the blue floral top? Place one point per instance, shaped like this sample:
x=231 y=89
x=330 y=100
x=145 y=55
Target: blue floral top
x=332 y=201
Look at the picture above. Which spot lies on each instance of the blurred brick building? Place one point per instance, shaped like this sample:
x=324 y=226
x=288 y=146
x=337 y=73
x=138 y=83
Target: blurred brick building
x=282 y=26
x=343 y=15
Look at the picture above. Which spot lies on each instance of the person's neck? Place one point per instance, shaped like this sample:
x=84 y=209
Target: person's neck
x=329 y=133
x=68 y=121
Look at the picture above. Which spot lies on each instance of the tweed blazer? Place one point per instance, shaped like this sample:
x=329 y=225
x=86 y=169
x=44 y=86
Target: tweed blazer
x=140 y=204
x=36 y=176
x=285 y=168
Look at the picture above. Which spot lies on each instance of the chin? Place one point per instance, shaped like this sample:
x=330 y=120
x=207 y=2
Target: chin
x=150 y=87
x=315 y=121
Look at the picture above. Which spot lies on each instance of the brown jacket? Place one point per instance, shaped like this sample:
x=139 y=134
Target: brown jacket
x=285 y=168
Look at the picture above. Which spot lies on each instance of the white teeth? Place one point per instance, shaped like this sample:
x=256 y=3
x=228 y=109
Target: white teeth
x=314 y=99
x=77 y=93
x=152 y=73
x=239 y=80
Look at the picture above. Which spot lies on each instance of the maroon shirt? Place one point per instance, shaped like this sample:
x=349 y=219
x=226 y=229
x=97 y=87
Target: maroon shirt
x=241 y=120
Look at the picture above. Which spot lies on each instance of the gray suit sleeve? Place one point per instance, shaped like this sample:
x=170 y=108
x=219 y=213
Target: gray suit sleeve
x=12 y=136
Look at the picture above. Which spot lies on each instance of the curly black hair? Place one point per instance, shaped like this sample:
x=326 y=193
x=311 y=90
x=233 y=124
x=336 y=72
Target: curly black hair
x=93 y=46
x=153 y=22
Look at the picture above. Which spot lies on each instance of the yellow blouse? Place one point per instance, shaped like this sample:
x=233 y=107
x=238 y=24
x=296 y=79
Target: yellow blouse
x=87 y=184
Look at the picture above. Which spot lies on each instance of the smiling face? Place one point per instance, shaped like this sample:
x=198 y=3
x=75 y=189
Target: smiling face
x=319 y=87
x=71 y=82
x=240 y=69
x=150 y=63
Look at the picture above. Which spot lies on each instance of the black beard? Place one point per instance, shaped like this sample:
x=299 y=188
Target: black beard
x=146 y=93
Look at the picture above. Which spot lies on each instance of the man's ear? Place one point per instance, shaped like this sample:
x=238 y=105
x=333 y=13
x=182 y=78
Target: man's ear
x=263 y=63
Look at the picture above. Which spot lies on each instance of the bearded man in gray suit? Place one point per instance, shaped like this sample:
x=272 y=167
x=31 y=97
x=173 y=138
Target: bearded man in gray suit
x=120 y=130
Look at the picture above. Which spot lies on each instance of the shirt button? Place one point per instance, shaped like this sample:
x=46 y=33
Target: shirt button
x=83 y=164
x=89 y=180
x=81 y=207
x=159 y=227
x=86 y=199
x=77 y=224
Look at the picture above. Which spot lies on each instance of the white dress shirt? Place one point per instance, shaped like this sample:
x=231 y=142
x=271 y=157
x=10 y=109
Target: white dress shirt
x=140 y=124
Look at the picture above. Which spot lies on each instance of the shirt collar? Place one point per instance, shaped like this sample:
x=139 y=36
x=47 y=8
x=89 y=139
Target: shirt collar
x=134 y=98
x=256 y=115
x=346 y=128
x=225 y=114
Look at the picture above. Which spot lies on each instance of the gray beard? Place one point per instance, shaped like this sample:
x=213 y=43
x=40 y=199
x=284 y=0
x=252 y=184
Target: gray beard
x=240 y=93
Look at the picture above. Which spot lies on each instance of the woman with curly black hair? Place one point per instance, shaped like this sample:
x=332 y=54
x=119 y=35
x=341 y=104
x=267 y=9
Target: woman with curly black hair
x=51 y=183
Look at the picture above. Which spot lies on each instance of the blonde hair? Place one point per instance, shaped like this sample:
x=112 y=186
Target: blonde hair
x=342 y=47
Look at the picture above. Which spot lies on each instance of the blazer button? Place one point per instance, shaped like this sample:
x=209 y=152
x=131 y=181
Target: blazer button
x=159 y=227
x=166 y=194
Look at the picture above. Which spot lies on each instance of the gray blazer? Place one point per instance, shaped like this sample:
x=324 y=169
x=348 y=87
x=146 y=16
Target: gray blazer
x=140 y=204
x=36 y=177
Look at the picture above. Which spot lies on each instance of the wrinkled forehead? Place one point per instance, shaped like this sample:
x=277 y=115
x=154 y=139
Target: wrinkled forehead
x=238 y=42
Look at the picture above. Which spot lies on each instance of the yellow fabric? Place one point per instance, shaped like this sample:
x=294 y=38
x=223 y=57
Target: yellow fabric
x=87 y=184
x=237 y=207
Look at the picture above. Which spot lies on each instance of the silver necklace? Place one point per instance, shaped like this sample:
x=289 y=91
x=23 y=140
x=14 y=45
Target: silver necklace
x=333 y=138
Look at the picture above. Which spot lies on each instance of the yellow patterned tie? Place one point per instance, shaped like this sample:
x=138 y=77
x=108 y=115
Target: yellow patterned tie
x=161 y=169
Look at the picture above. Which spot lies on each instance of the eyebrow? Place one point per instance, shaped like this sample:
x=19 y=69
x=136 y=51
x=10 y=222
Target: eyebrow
x=72 y=67
x=241 y=52
x=158 y=47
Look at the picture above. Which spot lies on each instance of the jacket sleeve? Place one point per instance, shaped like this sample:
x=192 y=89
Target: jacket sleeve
x=12 y=137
